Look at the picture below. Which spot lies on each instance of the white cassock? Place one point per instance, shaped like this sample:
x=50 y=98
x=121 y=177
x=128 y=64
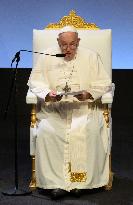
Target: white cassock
x=72 y=144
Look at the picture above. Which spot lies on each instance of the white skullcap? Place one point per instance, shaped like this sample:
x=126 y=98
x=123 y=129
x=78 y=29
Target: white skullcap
x=67 y=29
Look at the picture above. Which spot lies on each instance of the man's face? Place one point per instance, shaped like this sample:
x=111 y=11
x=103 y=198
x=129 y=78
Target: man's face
x=68 y=43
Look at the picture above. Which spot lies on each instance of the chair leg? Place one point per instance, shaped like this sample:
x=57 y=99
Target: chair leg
x=106 y=116
x=32 y=185
x=110 y=182
x=33 y=178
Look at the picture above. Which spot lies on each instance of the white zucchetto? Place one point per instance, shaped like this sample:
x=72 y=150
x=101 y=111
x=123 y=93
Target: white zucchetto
x=67 y=29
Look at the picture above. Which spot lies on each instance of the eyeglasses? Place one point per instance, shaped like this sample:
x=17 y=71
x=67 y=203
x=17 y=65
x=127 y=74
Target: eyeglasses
x=71 y=46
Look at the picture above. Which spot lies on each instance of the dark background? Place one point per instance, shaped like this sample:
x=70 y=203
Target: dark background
x=122 y=129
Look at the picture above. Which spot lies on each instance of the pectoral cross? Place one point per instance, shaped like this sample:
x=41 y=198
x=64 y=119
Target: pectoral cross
x=66 y=88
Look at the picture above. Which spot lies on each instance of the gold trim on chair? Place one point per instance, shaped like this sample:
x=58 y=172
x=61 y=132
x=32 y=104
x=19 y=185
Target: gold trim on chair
x=33 y=177
x=33 y=123
x=106 y=114
x=108 y=187
x=74 y=20
x=33 y=116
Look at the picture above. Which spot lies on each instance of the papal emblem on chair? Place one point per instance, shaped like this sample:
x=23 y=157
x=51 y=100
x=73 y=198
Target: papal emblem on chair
x=93 y=37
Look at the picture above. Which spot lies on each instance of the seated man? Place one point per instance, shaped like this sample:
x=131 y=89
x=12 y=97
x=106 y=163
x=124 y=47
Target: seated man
x=71 y=153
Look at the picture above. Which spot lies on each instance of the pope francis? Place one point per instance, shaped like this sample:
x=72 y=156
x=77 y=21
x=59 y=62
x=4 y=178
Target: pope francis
x=72 y=149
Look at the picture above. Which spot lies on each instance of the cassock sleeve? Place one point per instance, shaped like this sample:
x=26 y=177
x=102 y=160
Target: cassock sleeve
x=100 y=80
x=38 y=82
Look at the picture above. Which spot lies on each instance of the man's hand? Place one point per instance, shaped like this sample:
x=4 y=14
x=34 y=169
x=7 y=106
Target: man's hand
x=84 y=96
x=53 y=97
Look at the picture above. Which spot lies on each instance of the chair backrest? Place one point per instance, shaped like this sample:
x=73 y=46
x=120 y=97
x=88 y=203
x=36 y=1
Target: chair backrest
x=91 y=37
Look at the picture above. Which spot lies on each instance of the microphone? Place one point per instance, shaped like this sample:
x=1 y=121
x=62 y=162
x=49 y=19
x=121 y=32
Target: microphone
x=57 y=55
x=16 y=57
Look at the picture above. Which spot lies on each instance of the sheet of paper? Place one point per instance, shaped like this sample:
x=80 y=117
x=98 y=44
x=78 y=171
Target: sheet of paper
x=70 y=93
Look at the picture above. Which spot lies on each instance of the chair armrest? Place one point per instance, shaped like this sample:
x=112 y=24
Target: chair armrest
x=108 y=97
x=31 y=98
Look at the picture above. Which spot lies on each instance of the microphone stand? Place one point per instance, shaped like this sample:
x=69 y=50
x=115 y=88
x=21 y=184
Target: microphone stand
x=13 y=91
x=16 y=191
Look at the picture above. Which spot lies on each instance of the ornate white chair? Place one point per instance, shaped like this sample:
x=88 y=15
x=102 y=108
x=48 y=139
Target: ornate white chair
x=91 y=37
